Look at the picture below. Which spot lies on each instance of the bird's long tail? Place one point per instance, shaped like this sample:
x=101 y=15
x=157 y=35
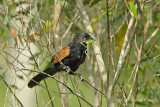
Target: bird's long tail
x=38 y=78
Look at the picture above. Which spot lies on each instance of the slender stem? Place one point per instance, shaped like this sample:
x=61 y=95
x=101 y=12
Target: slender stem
x=49 y=94
x=109 y=43
x=11 y=91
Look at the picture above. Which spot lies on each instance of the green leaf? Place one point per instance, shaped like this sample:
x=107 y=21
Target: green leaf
x=98 y=17
x=35 y=55
x=20 y=77
x=120 y=37
x=5 y=21
x=90 y=41
x=12 y=10
x=14 y=86
x=157 y=74
x=94 y=2
x=133 y=8
x=95 y=22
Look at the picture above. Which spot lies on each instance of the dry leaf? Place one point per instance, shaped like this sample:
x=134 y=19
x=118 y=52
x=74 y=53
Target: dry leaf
x=13 y=31
x=31 y=37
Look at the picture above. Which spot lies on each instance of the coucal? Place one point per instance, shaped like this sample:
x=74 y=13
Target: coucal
x=70 y=56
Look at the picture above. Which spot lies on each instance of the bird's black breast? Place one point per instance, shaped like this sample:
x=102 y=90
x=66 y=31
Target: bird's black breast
x=76 y=56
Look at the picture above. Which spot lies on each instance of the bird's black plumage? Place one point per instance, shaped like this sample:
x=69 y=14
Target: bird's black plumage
x=72 y=56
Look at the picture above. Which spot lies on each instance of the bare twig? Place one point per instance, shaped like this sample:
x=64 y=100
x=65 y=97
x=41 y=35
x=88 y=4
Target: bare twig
x=49 y=94
x=122 y=57
x=70 y=25
x=63 y=85
x=124 y=52
x=109 y=43
x=12 y=92
x=96 y=46
x=152 y=35
x=58 y=13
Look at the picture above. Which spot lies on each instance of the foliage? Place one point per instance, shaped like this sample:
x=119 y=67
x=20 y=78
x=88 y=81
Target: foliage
x=28 y=38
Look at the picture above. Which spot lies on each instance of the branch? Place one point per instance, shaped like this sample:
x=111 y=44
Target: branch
x=63 y=85
x=12 y=91
x=129 y=37
x=70 y=25
x=153 y=35
x=96 y=46
x=123 y=55
x=109 y=43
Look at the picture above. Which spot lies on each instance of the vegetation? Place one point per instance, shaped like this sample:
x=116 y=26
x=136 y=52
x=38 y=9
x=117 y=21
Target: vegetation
x=122 y=67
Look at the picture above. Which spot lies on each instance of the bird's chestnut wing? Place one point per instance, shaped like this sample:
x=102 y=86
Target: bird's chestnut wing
x=63 y=53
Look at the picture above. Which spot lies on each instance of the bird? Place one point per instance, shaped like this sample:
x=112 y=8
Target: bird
x=69 y=58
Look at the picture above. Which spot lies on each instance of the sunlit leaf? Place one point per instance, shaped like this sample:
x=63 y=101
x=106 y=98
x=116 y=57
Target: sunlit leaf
x=120 y=37
x=49 y=24
x=94 y=2
x=12 y=10
x=133 y=8
x=20 y=77
x=13 y=31
x=158 y=74
x=68 y=19
x=31 y=37
x=98 y=17
x=14 y=86
x=90 y=41
x=95 y=22
x=35 y=55
x=5 y=21
x=157 y=46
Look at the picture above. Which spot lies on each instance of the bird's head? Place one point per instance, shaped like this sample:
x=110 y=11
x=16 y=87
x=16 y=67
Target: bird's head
x=83 y=38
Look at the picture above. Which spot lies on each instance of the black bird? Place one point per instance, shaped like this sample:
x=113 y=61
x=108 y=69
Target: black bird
x=70 y=56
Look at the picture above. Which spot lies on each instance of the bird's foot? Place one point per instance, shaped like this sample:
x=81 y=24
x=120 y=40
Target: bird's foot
x=81 y=77
x=67 y=69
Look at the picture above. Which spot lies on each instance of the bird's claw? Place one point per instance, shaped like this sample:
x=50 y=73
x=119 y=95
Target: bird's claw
x=81 y=77
x=68 y=69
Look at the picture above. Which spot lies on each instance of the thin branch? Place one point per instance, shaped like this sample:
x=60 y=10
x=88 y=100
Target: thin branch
x=127 y=44
x=44 y=80
x=109 y=43
x=122 y=57
x=49 y=94
x=152 y=35
x=63 y=85
x=96 y=45
x=70 y=25
x=12 y=92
